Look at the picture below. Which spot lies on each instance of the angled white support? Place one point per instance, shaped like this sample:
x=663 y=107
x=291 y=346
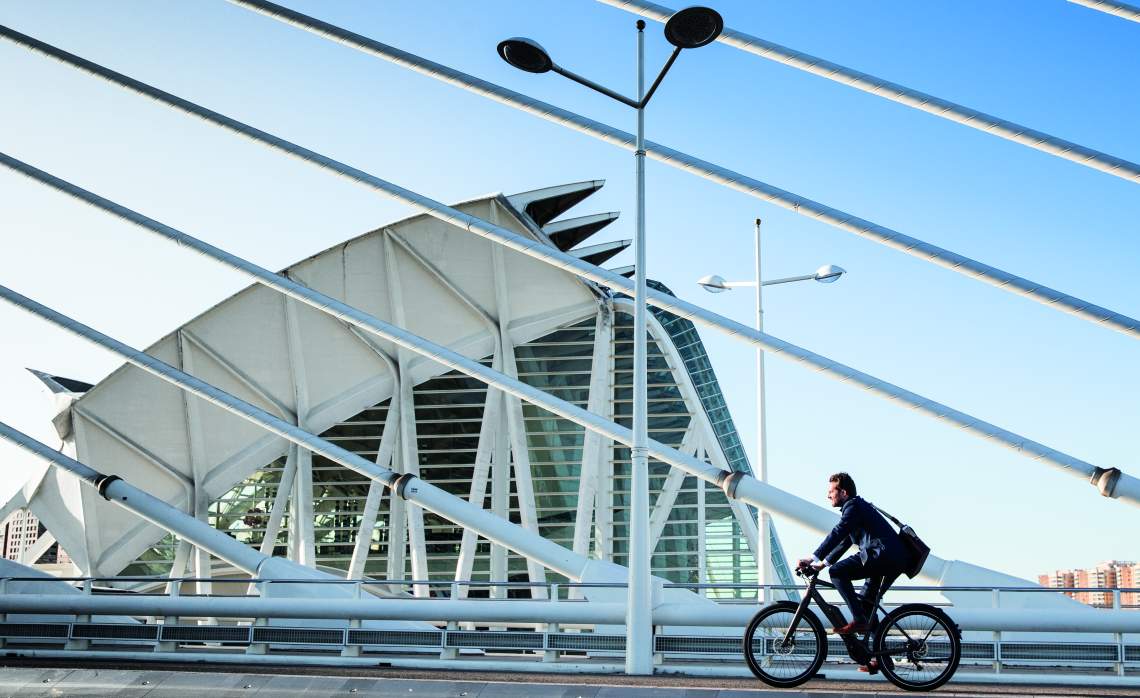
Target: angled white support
x=675 y=158
x=203 y=570
x=594 y=446
x=301 y=522
x=384 y=452
x=30 y=554
x=691 y=444
x=480 y=477
x=280 y=502
x=1111 y=482
x=178 y=567
x=512 y=408
x=408 y=446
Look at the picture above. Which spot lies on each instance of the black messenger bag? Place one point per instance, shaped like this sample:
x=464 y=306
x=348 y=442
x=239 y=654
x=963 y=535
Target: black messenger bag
x=914 y=545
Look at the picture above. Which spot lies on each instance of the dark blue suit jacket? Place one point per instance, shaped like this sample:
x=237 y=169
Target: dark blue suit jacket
x=862 y=525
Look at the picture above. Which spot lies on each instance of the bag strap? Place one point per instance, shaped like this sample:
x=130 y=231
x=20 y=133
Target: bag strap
x=898 y=523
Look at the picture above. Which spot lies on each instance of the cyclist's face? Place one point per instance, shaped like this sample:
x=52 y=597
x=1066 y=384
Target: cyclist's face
x=835 y=495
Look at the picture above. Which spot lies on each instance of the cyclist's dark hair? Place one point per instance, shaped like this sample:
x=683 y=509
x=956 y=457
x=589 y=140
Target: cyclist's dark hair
x=845 y=483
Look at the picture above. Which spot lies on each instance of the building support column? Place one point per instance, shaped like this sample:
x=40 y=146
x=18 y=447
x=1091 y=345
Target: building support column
x=512 y=408
x=409 y=450
x=480 y=478
x=201 y=502
x=593 y=444
x=384 y=451
x=302 y=538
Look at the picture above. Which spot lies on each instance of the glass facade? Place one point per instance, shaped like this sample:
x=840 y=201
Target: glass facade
x=701 y=540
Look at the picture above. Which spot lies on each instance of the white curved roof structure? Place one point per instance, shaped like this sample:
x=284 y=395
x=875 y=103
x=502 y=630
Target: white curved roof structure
x=419 y=273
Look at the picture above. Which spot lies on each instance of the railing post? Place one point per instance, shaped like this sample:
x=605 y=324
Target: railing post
x=446 y=650
x=1119 y=636
x=351 y=650
x=175 y=587
x=259 y=647
x=80 y=618
x=997 y=634
x=550 y=654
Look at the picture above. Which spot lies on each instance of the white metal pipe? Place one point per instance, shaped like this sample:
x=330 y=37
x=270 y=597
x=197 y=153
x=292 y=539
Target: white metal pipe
x=1080 y=620
x=639 y=595
x=576 y=266
x=675 y=158
x=186 y=527
x=368 y=608
x=913 y=98
x=1112 y=7
x=1087 y=620
x=413 y=490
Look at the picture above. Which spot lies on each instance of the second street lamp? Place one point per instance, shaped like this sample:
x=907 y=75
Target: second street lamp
x=692 y=27
x=714 y=283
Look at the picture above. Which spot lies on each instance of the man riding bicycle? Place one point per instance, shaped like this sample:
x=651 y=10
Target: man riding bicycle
x=882 y=556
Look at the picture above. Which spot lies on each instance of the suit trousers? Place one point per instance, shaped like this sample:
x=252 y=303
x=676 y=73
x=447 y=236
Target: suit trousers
x=879 y=574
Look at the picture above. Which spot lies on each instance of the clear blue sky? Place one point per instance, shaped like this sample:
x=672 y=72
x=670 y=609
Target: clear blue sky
x=1051 y=65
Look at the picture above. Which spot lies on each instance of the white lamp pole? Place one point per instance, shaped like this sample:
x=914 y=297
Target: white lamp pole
x=639 y=600
x=714 y=283
x=764 y=544
x=692 y=27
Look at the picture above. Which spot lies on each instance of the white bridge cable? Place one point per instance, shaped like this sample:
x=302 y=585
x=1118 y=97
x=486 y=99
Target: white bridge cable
x=1111 y=7
x=913 y=98
x=1106 y=479
x=527 y=543
x=702 y=168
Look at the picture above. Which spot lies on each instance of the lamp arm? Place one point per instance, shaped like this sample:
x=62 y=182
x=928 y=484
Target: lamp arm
x=660 y=77
x=788 y=280
x=595 y=86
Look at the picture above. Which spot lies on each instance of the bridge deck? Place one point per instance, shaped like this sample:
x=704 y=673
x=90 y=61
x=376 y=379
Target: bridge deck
x=134 y=680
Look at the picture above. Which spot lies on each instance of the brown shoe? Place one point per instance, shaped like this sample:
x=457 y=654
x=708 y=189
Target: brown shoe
x=852 y=628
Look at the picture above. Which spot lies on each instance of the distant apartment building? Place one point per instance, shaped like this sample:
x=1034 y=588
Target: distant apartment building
x=21 y=532
x=1109 y=576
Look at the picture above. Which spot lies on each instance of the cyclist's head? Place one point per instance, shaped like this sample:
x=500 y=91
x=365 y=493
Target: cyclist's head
x=841 y=488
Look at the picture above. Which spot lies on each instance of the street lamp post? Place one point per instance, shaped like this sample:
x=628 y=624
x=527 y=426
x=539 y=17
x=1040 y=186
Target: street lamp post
x=716 y=284
x=692 y=27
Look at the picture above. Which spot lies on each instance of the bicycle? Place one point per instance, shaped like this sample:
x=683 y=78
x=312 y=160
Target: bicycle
x=917 y=646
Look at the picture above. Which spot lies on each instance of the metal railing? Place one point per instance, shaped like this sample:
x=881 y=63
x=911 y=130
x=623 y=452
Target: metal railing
x=256 y=623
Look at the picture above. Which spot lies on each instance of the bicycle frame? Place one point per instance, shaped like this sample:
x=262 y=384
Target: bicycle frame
x=832 y=613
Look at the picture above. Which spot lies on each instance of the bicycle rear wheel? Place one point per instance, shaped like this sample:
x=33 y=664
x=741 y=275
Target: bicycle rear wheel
x=918 y=647
x=781 y=664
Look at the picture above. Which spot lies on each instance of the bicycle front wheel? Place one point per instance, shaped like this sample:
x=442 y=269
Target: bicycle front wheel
x=779 y=662
x=918 y=647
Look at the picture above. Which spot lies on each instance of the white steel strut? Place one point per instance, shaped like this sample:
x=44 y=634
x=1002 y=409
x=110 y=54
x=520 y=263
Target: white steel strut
x=675 y=158
x=913 y=98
